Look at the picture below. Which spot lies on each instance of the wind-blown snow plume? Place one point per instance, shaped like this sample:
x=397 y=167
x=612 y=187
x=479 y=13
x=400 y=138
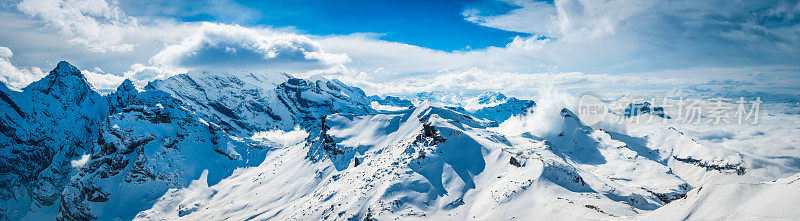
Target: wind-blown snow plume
x=545 y=119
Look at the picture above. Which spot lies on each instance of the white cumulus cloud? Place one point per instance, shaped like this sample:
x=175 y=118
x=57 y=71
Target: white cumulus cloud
x=14 y=77
x=102 y=81
x=222 y=46
x=5 y=52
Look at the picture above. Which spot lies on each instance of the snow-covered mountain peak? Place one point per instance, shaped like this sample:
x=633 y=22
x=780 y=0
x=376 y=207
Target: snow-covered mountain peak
x=428 y=110
x=570 y=118
x=64 y=68
x=127 y=86
x=322 y=97
x=64 y=83
x=489 y=97
x=246 y=103
x=63 y=79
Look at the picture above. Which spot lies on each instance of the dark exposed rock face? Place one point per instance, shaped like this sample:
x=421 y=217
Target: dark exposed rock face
x=735 y=168
x=635 y=109
x=324 y=146
x=429 y=135
x=513 y=161
x=327 y=142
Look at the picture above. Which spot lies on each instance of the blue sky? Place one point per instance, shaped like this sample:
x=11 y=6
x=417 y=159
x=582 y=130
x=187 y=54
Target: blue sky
x=396 y=47
x=432 y=24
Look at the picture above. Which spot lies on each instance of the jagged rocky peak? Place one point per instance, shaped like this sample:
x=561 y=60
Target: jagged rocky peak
x=66 y=81
x=64 y=68
x=122 y=97
x=572 y=122
x=568 y=113
x=65 y=85
x=127 y=86
x=635 y=109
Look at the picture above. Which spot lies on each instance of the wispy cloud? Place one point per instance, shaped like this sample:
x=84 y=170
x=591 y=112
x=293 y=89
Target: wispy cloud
x=629 y=35
x=96 y=24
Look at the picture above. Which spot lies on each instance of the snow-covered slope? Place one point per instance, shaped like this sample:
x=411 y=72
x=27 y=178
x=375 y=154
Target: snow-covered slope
x=692 y=161
x=771 y=200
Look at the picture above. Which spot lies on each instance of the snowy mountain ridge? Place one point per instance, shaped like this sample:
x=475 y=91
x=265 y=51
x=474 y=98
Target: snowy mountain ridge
x=250 y=146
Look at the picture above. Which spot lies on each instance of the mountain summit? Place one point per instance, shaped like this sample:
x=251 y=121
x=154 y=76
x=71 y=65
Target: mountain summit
x=64 y=68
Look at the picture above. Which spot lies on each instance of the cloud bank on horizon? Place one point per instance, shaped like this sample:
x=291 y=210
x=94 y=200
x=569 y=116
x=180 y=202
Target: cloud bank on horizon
x=572 y=43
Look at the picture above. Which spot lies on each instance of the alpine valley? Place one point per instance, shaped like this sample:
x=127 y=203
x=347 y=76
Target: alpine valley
x=227 y=146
